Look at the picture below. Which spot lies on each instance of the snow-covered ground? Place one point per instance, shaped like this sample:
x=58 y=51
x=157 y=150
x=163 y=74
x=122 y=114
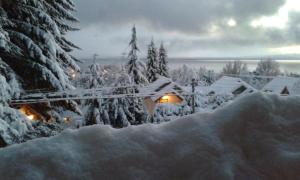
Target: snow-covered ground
x=255 y=137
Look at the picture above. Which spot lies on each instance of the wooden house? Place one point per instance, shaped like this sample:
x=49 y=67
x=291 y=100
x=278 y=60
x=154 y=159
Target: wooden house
x=163 y=90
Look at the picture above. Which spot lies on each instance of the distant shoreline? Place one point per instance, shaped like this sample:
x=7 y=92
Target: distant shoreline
x=204 y=58
x=286 y=65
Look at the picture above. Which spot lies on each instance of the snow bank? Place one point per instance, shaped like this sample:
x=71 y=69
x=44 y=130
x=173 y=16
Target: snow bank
x=256 y=137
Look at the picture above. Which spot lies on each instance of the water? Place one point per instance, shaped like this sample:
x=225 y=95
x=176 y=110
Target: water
x=291 y=66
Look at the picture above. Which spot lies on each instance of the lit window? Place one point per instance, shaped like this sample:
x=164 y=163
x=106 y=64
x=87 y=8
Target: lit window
x=67 y=119
x=30 y=117
x=164 y=99
x=27 y=113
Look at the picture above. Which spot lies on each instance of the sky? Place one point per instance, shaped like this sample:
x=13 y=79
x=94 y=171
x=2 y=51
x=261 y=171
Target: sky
x=189 y=28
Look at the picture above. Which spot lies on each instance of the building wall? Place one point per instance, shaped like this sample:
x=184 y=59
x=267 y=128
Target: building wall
x=150 y=105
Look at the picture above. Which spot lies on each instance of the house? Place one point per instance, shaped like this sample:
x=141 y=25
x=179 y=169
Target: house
x=163 y=90
x=30 y=113
x=283 y=86
x=230 y=86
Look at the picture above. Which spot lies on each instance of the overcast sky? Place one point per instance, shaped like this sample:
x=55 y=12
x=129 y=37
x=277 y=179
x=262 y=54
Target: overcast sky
x=189 y=28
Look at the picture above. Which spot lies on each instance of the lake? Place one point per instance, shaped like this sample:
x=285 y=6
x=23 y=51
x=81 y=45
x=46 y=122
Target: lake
x=292 y=66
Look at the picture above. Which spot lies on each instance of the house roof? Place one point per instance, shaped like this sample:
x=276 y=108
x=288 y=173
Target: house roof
x=160 y=87
x=278 y=84
x=230 y=85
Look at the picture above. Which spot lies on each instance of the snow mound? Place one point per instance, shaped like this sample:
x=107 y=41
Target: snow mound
x=256 y=137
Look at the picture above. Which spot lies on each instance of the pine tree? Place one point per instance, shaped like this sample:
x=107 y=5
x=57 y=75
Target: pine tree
x=152 y=63
x=38 y=29
x=13 y=125
x=95 y=106
x=34 y=51
x=120 y=108
x=135 y=67
x=95 y=79
x=163 y=63
x=5 y=45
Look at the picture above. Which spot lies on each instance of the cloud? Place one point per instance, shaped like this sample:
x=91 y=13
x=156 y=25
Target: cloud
x=188 y=27
x=294 y=26
x=187 y=16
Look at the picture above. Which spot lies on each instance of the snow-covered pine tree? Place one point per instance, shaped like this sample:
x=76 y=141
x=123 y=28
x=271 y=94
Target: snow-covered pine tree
x=96 y=113
x=38 y=28
x=152 y=63
x=13 y=126
x=163 y=69
x=135 y=68
x=95 y=79
x=5 y=45
x=120 y=108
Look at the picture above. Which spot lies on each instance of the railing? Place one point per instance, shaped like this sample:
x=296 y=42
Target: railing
x=97 y=93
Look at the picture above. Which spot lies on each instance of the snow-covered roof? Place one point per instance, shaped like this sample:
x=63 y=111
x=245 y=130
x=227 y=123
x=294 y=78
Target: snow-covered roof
x=160 y=87
x=278 y=85
x=230 y=85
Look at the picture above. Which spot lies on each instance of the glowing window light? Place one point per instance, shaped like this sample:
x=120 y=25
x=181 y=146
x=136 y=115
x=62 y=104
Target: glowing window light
x=67 y=119
x=164 y=99
x=30 y=117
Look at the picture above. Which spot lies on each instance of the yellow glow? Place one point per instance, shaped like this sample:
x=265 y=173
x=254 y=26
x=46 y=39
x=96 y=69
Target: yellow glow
x=73 y=75
x=165 y=97
x=30 y=117
x=67 y=119
x=231 y=23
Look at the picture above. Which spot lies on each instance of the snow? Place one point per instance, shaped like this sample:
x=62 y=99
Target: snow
x=278 y=84
x=12 y=124
x=160 y=87
x=227 y=85
x=256 y=137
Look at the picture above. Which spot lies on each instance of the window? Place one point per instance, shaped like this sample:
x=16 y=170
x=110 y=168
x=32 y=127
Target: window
x=164 y=99
x=239 y=90
x=285 y=91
